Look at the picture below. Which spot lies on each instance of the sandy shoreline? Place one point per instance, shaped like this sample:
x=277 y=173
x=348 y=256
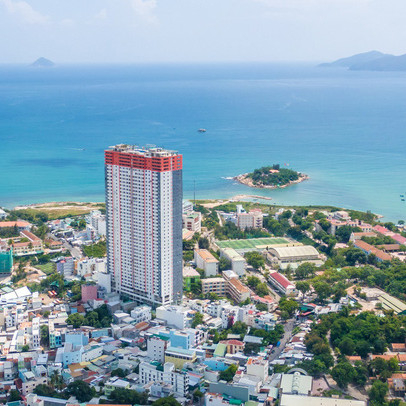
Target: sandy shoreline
x=60 y=205
x=245 y=180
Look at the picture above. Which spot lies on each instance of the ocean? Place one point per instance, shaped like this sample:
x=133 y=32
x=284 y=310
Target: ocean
x=345 y=129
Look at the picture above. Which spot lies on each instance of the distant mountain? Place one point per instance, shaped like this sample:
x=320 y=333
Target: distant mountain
x=357 y=59
x=43 y=63
x=385 y=63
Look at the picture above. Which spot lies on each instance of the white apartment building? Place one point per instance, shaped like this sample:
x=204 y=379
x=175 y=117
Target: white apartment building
x=91 y=266
x=36 y=337
x=156 y=348
x=144 y=223
x=156 y=372
x=97 y=221
x=192 y=222
x=175 y=316
x=141 y=313
x=258 y=366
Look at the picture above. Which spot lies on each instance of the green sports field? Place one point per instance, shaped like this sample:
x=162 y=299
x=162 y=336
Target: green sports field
x=252 y=243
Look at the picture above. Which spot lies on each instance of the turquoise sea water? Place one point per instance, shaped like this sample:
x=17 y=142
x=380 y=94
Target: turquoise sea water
x=346 y=130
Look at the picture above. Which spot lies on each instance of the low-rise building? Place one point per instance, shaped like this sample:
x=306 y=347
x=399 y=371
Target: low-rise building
x=237 y=290
x=258 y=366
x=214 y=285
x=238 y=263
x=179 y=356
x=370 y=249
x=191 y=278
x=252 y=219
x=141 y=313
x=294 y=256
x=31 y=247
x=192 y=222
x=156 y=372
x=281 y=283
x=205 y=260
x=175 y=316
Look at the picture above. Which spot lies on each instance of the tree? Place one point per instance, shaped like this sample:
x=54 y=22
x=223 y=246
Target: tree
x=343 y=233
x=322 y=289
x=224 y=264
x=253 y=281
x=305 y=270
x=123 y=396
x=354 y=256
x=204 y=243
x=82 y=391
x=378 y=392
x=197 y=319
x=362 y=348
x=44 y=334
x=14 y=395
x=76 y=320
x=255 y=259
x=228 y=374
x=25 y=348
x=288 y=306
x=343 y=373
x=197 y=395
x=168 y=401
x=303 y=286
x=261 y=307
x=239 y=328
x=347 y=346
x=119 y=372
x=262 y=289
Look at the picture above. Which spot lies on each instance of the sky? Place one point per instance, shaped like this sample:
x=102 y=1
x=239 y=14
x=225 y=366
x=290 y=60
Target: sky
x=145 y=31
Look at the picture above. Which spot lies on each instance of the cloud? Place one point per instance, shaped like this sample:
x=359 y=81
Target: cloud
x=145 y=9
x=24 y=11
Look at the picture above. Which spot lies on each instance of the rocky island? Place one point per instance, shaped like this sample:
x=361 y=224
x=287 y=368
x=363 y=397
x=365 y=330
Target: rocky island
x=271 y=177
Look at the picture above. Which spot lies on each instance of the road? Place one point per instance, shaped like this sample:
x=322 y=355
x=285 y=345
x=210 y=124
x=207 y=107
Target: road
x=286 y=337
x=75 y=251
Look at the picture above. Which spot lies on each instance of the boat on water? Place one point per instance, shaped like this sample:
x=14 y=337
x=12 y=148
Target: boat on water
x=201 y=130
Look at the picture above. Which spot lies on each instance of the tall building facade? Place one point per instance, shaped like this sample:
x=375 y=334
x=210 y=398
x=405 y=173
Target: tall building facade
x=144 y=223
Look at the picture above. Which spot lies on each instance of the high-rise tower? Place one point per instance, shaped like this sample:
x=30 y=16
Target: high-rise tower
x=144 y=223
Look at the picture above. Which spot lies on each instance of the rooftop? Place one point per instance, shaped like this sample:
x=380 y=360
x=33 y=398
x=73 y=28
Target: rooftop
x=189 y=272
x=147 y=151
x=14 y=223
x=252 y=243
x=281 y=279
x=206 y=255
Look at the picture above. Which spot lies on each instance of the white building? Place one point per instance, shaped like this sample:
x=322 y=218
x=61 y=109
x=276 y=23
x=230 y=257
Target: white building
x=192 y=222
x=281 y=283
x=175 y=316
x=156 y=348
x=206 y=261
x=91 y=266
x=36 y=338
x=155 y=372
x=141 y=313
x=103 y=279
x=97 y=221
x=258 y=366
x=144 y=223
x=294 y=256
x=238 y=263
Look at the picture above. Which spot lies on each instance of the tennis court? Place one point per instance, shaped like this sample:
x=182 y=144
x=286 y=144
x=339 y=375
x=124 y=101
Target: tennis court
x=252 y=243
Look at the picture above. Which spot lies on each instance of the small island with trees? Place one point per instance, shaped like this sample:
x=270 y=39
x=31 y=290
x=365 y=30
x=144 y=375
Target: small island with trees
x=271 y=177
